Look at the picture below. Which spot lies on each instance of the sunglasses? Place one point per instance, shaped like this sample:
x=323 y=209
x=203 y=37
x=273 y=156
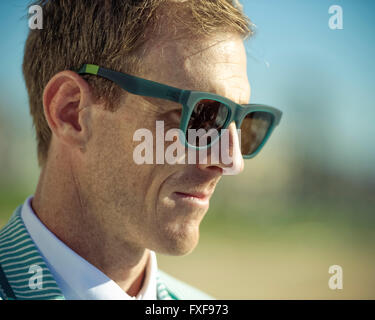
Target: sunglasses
x=202 y=110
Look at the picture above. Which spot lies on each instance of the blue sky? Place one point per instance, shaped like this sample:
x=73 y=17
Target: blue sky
x=321 y=78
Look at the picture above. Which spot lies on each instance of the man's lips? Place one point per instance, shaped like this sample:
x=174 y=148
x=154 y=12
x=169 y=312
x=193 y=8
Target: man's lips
x=199 y=195
x=198 y=198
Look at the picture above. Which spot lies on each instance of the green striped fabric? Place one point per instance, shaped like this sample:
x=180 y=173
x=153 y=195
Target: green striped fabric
x=19 y=255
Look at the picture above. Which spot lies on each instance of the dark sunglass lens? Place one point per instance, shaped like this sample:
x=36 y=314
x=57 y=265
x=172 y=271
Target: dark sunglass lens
x=207 y=114
x=254 y=129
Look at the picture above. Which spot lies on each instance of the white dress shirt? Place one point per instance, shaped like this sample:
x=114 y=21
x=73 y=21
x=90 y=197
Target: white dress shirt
x=77 y=278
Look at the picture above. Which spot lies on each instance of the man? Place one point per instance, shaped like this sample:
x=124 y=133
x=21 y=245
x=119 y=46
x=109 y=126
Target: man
x=97 y=217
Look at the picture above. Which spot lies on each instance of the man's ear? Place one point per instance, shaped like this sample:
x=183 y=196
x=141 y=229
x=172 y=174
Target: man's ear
x=66 y=101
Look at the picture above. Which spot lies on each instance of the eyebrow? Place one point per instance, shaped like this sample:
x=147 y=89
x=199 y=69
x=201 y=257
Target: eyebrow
x=167 y=104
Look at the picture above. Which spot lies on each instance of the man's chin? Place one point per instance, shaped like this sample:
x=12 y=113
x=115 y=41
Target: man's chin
x=180 y=240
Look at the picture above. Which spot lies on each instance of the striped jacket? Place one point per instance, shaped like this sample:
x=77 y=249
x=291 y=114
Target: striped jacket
x=19 y=256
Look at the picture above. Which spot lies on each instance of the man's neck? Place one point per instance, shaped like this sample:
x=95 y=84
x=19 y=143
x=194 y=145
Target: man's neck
x=65 y=213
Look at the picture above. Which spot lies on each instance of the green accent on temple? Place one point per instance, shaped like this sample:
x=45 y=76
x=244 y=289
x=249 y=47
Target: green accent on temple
x=92 y=69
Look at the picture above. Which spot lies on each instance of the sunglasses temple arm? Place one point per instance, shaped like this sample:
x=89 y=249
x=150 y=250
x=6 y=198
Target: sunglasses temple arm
x=136 y=85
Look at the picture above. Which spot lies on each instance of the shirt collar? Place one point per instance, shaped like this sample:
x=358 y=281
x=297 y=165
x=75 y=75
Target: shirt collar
x=76 y=277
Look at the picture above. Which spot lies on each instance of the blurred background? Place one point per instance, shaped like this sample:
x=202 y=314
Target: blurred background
x=306 y=202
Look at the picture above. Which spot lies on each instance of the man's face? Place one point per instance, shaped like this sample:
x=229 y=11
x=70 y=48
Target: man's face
x=160 y=206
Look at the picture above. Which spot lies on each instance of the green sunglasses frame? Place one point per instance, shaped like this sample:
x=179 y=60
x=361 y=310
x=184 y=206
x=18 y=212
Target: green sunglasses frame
x=188 y=100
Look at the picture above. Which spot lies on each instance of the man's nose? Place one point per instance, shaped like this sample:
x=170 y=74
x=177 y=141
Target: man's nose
x=225 y=153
